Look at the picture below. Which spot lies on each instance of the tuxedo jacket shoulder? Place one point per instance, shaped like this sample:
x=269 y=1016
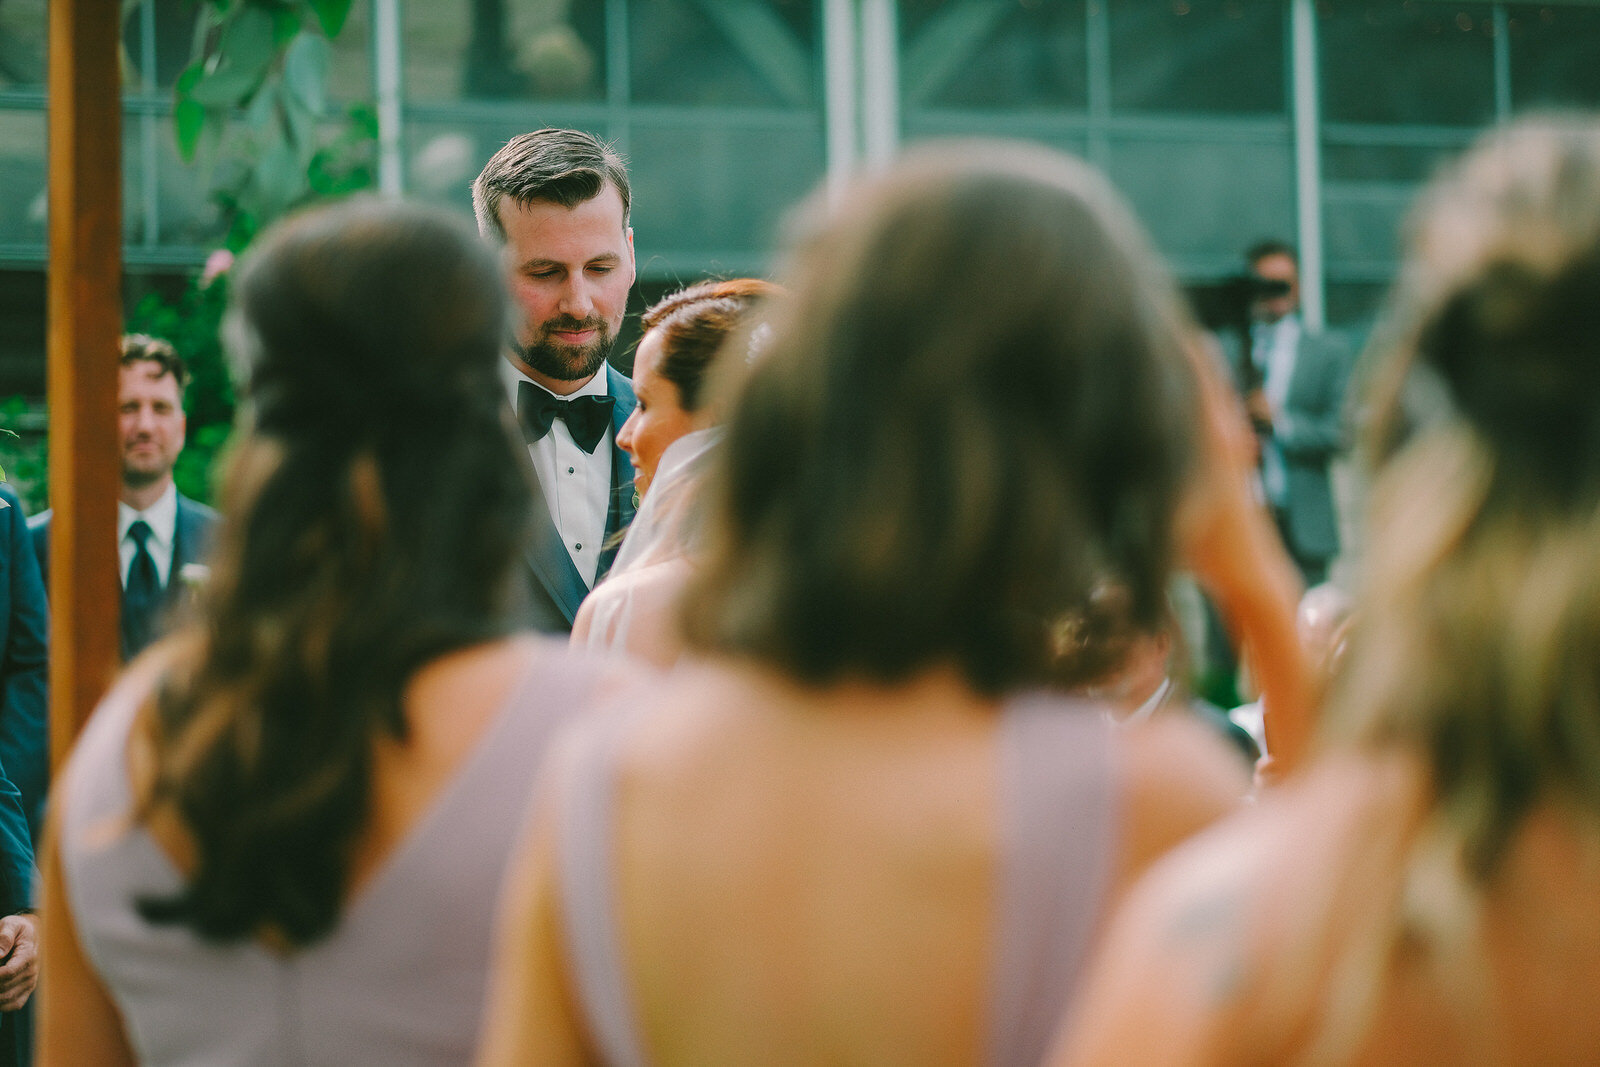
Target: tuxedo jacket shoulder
x=555 y=589
x=24 y=709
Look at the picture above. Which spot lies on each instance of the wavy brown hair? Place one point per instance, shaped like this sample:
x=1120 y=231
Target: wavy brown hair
x=972 y=407
x=1481 y=615
x=374 y=506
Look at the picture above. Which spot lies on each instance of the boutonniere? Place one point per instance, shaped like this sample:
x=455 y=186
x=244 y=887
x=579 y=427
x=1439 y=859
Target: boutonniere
x=193 y=577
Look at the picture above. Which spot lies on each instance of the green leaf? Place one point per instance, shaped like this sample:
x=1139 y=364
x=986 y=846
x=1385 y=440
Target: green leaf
x=187 y=80
x=226 y=88
x=280 y=176
x=285 y=25
x=247 y=42
x=331 y=13
x=189 y=121
x=305 y=72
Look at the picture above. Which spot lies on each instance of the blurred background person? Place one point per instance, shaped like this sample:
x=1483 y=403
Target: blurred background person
x=671 y=432
x=859 y=826
x=159 y=530
x=1294 y=383
x=1429 y=893
x=24 y=640
x=280 y=837
x=1137 y=672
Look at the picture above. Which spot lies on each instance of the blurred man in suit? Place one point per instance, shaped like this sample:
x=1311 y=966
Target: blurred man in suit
x=556 y=202
x=1294 y=389
x=160 y=531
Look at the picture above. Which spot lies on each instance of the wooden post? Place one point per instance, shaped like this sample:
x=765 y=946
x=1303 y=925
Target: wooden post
x=85 y=320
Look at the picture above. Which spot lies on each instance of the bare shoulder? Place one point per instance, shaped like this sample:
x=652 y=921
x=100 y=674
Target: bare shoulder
x=1216 y=954
x=1177 y=777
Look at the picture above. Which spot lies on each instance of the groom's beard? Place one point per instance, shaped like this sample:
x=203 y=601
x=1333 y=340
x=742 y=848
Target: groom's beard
x=563 y=362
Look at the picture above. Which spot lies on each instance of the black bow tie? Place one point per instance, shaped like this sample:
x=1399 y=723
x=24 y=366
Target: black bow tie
x=586 y=416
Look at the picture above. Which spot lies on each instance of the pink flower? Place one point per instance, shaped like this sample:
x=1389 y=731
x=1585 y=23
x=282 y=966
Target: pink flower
x=217 y=264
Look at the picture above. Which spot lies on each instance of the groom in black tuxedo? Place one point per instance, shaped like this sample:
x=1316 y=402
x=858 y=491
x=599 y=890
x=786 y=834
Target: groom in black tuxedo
x=556 y=202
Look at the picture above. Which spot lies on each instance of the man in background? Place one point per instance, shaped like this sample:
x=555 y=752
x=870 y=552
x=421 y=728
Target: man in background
x=1294 y=389
x=556 y=202
x=160 y=531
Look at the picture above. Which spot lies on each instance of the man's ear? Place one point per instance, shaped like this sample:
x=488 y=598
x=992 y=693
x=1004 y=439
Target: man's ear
x=633 y=265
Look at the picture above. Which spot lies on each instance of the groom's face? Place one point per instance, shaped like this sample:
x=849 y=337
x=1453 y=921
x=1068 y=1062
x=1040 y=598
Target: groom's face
x=569 y=271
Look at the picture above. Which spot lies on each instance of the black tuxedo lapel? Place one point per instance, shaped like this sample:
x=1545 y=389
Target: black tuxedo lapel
x=551 y=565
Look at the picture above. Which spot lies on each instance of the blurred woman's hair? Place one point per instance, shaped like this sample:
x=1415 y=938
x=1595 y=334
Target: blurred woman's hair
x=1481 y=623
x=374 y=504
x=972 y=407
x=694 y=322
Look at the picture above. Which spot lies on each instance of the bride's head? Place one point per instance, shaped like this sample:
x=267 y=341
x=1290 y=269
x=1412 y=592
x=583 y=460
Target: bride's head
x=674 y=360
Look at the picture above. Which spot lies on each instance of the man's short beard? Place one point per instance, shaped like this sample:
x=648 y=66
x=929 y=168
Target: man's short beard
x=134 y=478
x=564 y=363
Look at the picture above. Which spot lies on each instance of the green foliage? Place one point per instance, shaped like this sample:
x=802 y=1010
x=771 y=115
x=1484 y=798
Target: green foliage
x=24 y=456
x=259 y=80
x=259 y=77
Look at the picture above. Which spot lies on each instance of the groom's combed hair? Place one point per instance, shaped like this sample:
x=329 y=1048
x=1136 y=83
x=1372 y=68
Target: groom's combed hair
x=973 y=407
x=566 y=167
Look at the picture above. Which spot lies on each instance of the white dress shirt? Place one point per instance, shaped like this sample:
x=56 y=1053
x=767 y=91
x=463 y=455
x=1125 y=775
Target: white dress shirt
x=576 y=484
x=162 y=518
x=1275 y=347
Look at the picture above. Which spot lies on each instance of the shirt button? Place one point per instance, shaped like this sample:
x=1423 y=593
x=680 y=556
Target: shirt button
x=572 y=470
x=578 y=546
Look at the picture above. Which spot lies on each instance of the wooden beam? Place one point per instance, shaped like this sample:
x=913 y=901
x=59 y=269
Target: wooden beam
x=85 y=320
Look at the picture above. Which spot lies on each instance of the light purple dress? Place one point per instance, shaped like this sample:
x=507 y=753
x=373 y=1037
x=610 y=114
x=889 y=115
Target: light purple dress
x=1057 y=846
x=399 y=982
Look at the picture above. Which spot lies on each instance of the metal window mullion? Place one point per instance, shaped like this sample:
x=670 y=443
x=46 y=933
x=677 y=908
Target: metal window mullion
x=1502 y=63
x=839 y=64
x=1097 y=75
x=619 y=76
x=387 y=92
x=149 y=162
x=880 y=81
x=1308 y=160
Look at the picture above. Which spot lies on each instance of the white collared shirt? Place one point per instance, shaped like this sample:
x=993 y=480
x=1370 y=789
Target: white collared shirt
x=1276 y=345
x=162 y=518
x=576 y=484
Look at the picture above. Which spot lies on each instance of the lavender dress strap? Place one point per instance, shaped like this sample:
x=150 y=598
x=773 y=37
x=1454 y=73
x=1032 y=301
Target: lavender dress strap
x=1057 y=797
x=588 y=899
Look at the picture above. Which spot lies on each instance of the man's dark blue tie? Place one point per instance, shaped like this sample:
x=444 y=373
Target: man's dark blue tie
x=141 y=598
x=586 y=416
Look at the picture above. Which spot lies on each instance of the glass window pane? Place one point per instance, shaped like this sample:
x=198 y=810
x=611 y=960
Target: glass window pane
x=1205 y=200
x=1211 y=56
x=22 y=176
x=1352 y=306
x=1376 y=162
x=1362 y=227
x=993 y=53
x=1386 y=62
x=504 y=50
x=187 y=213
x=1069 y=137
x=718 y=190
x=1554 y=60
x=443 y=157
x=22 y=43
x=751 y=53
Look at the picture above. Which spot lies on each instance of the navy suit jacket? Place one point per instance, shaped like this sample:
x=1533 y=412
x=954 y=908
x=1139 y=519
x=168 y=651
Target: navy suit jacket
x=24 y=714
x=191 y=543
x=554 y=587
